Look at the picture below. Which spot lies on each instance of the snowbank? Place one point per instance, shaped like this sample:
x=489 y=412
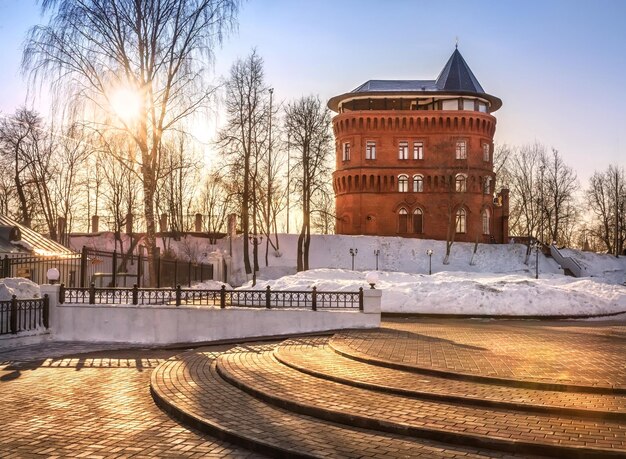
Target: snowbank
x=470 y=293
x=22 y=288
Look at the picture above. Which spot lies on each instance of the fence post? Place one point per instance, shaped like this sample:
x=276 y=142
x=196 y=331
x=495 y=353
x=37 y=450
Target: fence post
x=189 y=273
x=46 y=311
x=178 y=295
x=135 y=294
x=14 y=314
x=83 y=267
x=114 y=269
x=92 y=293
x=314 y=299
x=62 y=294
x=6 y=267
x=360 y=298
x=139 y=265
x=223 y=297
x=268 y=297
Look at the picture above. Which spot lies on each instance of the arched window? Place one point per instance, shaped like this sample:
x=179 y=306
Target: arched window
x=418 y=184
x=403 y=221
x=418 y=221
x=461 y=183
x=460 y=220
x=403 y=183
x=486 y=217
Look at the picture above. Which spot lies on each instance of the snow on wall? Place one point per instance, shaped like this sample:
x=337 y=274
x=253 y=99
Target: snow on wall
x=22 y=288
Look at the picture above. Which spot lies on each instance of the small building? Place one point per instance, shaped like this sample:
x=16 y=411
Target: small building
x=414 y=158
x=26 y=253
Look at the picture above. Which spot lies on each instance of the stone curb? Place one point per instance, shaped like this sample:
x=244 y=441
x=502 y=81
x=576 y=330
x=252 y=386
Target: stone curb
x=457 y=399
x=465 y=439
x=526 y=384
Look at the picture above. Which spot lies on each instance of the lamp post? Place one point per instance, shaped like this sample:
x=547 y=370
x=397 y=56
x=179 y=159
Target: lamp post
x=255 y=240
x=376 y=252
x=429 y=252
x=53 y=275
x=353 y=253
x=537 y=245
x=371 y=278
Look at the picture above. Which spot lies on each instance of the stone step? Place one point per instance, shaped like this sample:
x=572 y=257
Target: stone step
x=261 y=375
x=449 y=359
x=189 y=388
x=315 y=357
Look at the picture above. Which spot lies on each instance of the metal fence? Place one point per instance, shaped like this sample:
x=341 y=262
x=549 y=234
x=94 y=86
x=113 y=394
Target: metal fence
x=35 y=267
x=24 y=314
x=267 y=298
x=105 y=269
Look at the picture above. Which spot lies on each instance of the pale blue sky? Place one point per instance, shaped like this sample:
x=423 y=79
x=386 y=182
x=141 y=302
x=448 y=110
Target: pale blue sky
x=558 y=66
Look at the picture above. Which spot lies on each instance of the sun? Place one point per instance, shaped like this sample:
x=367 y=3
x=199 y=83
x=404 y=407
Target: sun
x=126 y=104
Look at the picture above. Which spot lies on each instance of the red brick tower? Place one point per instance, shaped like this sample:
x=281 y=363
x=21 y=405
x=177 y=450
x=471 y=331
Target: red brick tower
x=415 y=158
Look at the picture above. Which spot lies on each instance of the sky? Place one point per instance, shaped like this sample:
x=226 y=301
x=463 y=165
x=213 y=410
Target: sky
x=558 y=66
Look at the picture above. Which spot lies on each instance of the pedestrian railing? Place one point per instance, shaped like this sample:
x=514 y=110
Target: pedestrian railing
x=17 y=315
x=266 y=298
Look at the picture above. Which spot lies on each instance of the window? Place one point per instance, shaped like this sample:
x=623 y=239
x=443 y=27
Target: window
x=468 y=104
x=403 y=183
x=346 y=151
x=460 y=183
x=403 y=221
x=418 y=222
x=418 y=150
x=451 y=104
x=403 y=150
x=461 y=149
x=460 y=220
x=482 y=107
x=487 y=185
x=486 y=219
x=418 y=184
x=370 y=150
x=486 y=152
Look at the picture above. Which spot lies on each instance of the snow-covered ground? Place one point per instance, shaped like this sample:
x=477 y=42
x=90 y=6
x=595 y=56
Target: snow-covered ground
x=497 y=279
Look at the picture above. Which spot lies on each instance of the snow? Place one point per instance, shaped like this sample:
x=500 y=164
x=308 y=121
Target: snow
x=22 y=288
x=499 y=281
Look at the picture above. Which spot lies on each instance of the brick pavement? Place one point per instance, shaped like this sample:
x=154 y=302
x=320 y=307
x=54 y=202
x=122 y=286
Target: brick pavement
x=94 y=405
x=190 y=386
x=567 y=353
x=261 y=374
x=314 y=356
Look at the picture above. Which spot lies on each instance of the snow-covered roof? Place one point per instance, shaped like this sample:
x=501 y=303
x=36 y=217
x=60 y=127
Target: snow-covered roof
x=29 y=241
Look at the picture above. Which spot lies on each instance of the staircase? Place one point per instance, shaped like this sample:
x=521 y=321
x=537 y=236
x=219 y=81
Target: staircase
x=323 y=397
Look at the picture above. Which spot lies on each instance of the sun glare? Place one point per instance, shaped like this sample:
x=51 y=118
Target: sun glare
x=126 y=103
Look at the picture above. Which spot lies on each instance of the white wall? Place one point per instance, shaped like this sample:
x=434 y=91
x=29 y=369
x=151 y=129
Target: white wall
x=186 y=324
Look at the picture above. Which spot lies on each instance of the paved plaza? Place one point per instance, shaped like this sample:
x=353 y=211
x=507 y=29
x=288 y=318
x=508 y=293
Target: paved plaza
x=413 y=388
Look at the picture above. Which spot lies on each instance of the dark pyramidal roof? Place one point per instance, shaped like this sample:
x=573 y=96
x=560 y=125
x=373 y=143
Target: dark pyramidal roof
x=456 y=77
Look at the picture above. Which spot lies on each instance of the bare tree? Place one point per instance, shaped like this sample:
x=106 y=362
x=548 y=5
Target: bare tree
x=557 y=195
x=307 y=122
x=606 y=197
x=243 y=141
x=216 y=202
x=152 y=52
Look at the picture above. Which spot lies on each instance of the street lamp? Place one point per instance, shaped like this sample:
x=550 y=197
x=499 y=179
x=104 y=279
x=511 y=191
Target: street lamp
x=429 y=252
x=353 y=253
x=537 y=245
x=371 y=278
x=52 y=275
x=255 y=240
x=376 y=252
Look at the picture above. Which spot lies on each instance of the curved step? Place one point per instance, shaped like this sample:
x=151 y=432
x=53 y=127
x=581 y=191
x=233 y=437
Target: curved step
x=189 y=388
x=339 y=344
x=313 y=356
x=263 y=376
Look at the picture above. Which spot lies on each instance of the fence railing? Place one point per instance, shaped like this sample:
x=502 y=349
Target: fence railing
x=24 y=314
x=35 y=267
x=267 y=298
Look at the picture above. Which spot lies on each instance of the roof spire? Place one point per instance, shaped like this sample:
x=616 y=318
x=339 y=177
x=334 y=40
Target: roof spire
x=456 y=45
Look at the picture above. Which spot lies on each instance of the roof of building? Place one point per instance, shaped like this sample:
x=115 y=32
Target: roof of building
x=455 y=78
x=40 y=245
